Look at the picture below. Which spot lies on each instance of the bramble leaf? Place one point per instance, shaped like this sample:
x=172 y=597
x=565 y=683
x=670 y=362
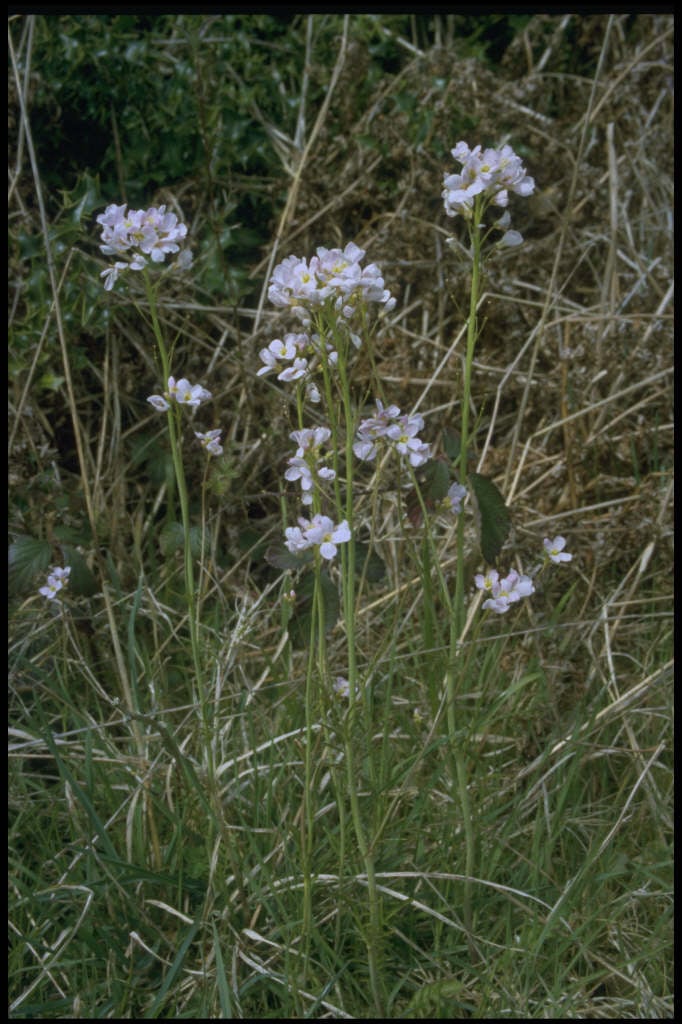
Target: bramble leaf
x=494 y=521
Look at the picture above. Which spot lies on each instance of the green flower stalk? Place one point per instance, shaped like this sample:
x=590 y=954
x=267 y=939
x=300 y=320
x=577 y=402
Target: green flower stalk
x=486 y=178
x=142 y=239
x=330 y=295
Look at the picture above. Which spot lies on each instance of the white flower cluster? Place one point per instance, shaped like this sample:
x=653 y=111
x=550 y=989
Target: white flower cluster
x=389 y=427
x=341 y=687
x=210 y=441
x=492 y=173
x=507 y=591
x=57 y=579
x=320 y=531
x=496 y=172
x=297 y=350
x=140 y=236
x=332 y=287
x=307 y=464
x=504 y=592
x=333 y=276
x=182 y=392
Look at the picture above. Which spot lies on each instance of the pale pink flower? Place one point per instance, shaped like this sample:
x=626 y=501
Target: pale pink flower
x=320 y=531
x=493 y=173
x=503 y=592
x=56 y=580
x=389 y=427
x=140 y=235
x=210 y=441
x=554 y=550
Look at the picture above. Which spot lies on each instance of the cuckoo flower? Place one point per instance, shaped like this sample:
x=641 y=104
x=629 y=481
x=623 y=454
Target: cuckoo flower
x=503 y=592
x=334 y=276
x=57 y=579
x=308 y=463
x=390 y=428
x=182 y=392
x=554 y=550
x=490 y=174
x=210 y=441
x=321 y=532
x=140 y=236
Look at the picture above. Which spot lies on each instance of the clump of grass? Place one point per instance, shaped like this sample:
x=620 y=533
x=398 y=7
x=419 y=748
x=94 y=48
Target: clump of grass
x=200 y=826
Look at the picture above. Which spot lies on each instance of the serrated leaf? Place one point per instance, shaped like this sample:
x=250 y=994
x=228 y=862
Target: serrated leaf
x=367 y=561
x=27 y=558
x=72 y=534
x=282 y=558
x=172 y=539
x=452 y=443
x=82 y=583
x=494 y=521
x=250 y=542
x=434 y=480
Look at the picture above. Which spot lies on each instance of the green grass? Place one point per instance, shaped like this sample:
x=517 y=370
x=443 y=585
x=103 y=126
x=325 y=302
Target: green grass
x=141 y=883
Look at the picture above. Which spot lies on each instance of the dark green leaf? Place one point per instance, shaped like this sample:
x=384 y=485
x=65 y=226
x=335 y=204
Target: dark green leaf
x=172 y=538
x=434 y=480
x=82 y=583
x=282 y=558
x=369 y=562
x=72 y=534
x=28 y=558
x=494 y=521
x=452 y=443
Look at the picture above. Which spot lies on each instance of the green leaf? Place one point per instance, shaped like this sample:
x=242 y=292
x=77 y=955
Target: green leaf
x=81 y=534
x=27 y=558
x=282 y=558
x=369 y=562
x=82 y=583
x=172 y=539
x=452 y=443
x=494 y=521
x=434 y=480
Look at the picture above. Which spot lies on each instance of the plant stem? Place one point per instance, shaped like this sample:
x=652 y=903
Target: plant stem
x=317 y=644
x=457 y=617
x=472 y=333
x=190 y=593
x=374 y=936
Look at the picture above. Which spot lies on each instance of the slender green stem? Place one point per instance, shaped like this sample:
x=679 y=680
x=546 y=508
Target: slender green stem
x=174 y=424
x=457 y=617
x=316 y=667
x=341 y=423
x=374 y=937
x=472 y=334
x=349 y=551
